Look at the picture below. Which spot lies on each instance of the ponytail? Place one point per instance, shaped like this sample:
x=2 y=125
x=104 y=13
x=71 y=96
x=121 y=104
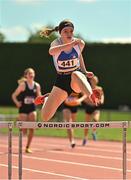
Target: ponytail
x=47 y=31
x=21 y=80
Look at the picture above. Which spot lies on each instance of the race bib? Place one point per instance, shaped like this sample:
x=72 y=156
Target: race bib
x=68 y=63
x=28 y=100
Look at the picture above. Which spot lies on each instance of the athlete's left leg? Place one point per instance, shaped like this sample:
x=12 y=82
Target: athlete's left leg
x=55 y=99
x=31 y=117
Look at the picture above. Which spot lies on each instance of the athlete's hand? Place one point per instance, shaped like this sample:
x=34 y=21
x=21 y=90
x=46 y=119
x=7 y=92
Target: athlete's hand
x=89 y=74
x=98 y=93
x=18 y=104
x=40 y=99
x=76 y=42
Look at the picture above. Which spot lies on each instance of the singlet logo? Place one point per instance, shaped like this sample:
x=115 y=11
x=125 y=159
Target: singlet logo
x=34 y=90
x=28 y=100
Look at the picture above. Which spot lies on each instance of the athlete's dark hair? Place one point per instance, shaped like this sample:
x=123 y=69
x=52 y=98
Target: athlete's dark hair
x=65 y=23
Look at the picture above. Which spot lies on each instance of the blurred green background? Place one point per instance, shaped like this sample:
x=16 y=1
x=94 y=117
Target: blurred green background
x=110 y=62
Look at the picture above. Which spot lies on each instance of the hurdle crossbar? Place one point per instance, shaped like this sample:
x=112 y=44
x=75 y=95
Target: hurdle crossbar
x=67 y=125
x=6 y=124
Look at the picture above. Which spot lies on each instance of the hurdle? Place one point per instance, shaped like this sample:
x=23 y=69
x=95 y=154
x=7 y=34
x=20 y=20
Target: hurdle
x=9 y=125
x=67 y=125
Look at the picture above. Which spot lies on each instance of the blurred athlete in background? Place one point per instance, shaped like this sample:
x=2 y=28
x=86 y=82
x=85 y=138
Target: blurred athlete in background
x=70 y=108
x=92 y=112
x=72 y=103
x=23 y=98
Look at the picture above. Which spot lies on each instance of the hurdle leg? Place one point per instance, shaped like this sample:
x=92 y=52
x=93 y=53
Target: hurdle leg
x=9 y=153
x=20 y=154
x=124 y=153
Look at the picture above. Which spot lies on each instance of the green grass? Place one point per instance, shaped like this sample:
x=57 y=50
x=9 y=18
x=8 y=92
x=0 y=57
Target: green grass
x=102 y=134
x=8 y=110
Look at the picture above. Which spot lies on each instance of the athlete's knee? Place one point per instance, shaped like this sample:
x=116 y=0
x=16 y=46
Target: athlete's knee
x=78 y=74
x=75 y=74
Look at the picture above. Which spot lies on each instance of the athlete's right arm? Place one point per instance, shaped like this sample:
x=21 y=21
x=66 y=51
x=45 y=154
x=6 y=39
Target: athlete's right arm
x=57 y=48
x=18 y=90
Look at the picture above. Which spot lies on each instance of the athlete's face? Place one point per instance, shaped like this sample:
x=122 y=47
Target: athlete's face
x=30 y=75
x=67 y=34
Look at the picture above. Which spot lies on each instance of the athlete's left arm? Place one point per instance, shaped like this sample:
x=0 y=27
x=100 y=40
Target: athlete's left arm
x=82 y=63
x=38 y=89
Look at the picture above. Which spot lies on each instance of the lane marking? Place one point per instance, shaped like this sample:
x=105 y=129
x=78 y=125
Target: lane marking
x=91 y=143
x=47 y=172
x=88 y=155
x=81 y=148
x=77 y=147
x=73 y=163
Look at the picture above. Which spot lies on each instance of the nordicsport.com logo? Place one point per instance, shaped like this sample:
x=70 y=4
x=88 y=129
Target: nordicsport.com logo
x=72 y=125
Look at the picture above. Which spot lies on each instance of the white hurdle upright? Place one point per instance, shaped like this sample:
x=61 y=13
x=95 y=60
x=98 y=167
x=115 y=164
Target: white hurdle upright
x=66 y=125
x=9 y=125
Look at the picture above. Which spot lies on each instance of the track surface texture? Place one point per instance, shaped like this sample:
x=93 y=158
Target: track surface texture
x=53 y=158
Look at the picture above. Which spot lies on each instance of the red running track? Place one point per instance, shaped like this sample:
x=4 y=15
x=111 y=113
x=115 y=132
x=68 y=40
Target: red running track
x=52 y=158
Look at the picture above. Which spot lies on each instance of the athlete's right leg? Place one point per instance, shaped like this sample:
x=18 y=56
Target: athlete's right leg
x=79 y=83
x=55 y=99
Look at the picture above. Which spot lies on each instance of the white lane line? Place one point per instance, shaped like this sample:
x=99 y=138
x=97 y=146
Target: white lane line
x=92 y=143
x=95 y=144
x=46 y=172
x=70 y=162
x=15 y=147
x=37 y=149
x=88 y=155
x=81 y=148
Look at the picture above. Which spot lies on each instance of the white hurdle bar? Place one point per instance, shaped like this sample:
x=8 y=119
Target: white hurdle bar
x=68 y=125
x=9 y=125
